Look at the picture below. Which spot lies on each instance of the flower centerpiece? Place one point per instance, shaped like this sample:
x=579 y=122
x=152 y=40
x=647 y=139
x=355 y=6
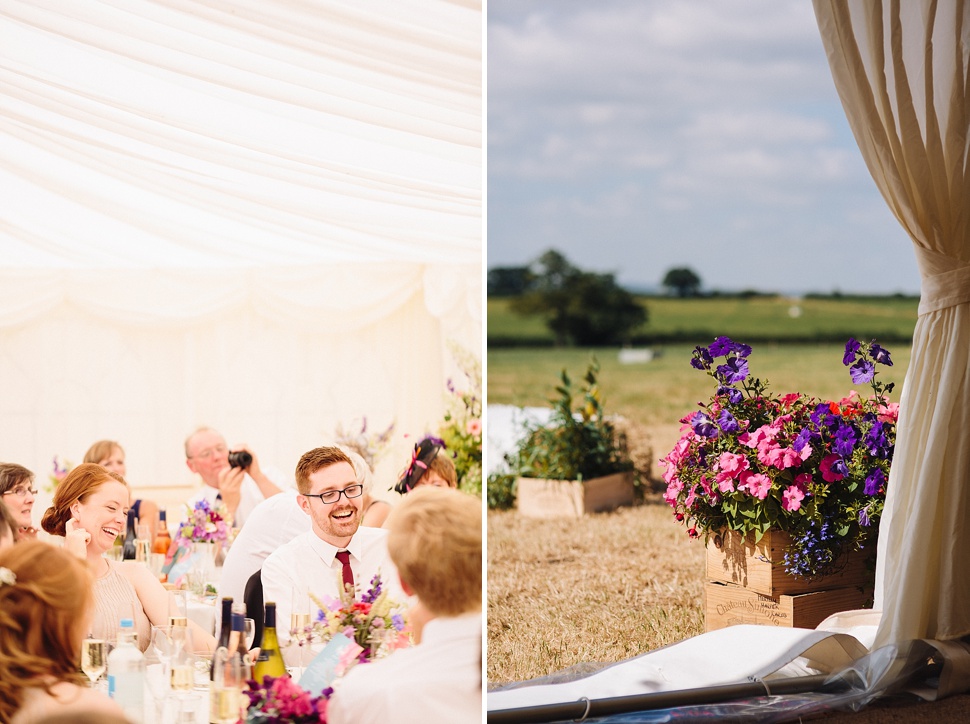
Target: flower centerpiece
x=750 y=461
x=205 y=524
x=369 y=444
x=461 y=430
x=59 y=470
x=281 y=699
x=376 y=624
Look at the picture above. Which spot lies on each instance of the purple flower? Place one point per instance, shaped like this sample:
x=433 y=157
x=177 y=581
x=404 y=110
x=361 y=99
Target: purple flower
x=876 y=440
x=875 y=481
x=721 y=346
x=880 y=354
x=733 y=394
x=727 y=422
x=862 y=371
x=733 y=371
x=839 y=467
x=701 y=359
x=845 y=440
x=743 y=350
x=703 y=425
x=802 y=440
x=864 y=520
x=851 y=347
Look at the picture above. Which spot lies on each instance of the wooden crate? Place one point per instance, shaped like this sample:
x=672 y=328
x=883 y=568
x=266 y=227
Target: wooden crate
x=539 y=498
x=733 y=559
x=727 y=604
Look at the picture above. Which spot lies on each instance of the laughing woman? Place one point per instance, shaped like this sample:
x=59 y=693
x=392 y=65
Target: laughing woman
x=90 y=509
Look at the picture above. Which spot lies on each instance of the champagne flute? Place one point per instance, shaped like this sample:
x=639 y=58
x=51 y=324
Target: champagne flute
x=93 y=659
x=249 y=628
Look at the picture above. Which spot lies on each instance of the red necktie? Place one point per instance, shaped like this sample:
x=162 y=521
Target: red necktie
x=344 y=558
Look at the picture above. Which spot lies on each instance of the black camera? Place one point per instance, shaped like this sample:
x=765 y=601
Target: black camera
x=240 y=459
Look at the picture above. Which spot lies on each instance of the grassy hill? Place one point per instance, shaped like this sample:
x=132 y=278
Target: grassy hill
x=754 y=319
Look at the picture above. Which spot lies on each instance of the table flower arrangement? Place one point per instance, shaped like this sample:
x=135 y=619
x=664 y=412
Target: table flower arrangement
x=281 y=699
x=59 y=470
x=205 y=524
x=749 y=461
x=371 y=445
x=461 y=430
x=376 y=624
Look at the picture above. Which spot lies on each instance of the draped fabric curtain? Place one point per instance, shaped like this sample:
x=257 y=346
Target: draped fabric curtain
x=901 y=69
x=261 y=216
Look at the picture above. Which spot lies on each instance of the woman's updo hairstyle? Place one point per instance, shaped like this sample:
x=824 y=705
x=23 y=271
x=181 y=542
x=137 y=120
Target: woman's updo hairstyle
x=77 y=485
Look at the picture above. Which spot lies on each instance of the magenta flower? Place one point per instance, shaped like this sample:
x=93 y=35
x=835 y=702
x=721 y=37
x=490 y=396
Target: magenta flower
x=791 y=499
x=828 y=474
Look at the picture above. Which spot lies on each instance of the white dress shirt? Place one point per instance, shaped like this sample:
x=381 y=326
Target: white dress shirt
x=249 y=495
x=308 y=564
x=275 y=521
x=438 y=681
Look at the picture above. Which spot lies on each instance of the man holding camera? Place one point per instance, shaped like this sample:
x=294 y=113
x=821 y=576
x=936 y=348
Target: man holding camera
x=234 y=478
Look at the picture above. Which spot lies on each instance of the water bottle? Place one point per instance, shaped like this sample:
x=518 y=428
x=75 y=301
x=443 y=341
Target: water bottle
x=126 y=673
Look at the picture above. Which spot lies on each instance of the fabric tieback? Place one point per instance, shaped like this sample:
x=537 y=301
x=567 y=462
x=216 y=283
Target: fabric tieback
x=344 y=558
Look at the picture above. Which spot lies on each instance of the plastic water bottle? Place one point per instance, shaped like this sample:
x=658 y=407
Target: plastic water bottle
x=126 y=673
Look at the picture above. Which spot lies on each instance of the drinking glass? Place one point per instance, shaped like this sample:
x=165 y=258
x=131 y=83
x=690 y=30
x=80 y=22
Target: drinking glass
x=94 y=659
x=249 y=628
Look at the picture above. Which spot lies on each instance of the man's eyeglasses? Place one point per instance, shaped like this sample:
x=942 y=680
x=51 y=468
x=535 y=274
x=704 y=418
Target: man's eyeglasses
x=209 y=452
x=21 y=492
x=332 y=496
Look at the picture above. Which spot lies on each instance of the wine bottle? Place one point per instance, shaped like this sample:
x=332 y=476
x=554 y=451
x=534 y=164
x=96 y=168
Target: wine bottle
x=225 y=628
x=270 y=661
x=237 y=640
x=163 y=539
x=128 y=549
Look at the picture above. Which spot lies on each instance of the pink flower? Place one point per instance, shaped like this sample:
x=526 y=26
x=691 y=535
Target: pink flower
x=474 y=427
x=889 y=413
x=791 y=499
x=826 y=466
x=781 y=458
x=757 y=484
x=732 y=464
x=802 y=480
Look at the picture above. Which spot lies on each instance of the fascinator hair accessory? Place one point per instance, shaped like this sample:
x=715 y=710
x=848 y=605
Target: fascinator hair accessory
x=424 y=452
x=7 y=577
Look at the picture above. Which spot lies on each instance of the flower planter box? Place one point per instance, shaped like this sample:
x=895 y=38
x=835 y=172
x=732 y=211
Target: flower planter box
x=727 y=604
x=539 y=498
x=758 y=567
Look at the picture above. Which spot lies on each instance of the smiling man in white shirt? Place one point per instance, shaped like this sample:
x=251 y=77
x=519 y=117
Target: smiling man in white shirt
x=330 y=495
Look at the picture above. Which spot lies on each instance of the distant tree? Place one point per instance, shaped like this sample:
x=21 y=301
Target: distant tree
x=683 y=282
x=580 y=307
x=509 y=281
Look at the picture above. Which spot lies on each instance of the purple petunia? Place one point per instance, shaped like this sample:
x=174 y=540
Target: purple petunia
x=875 y=481
x=727 y=422
x=703 y=425
x=862 y=371
x=721 y=346
x=851 y=348
x=880 y=354
x=733 y=371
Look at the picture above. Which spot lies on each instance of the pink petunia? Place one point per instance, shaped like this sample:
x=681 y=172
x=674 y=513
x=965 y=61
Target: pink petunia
x=782 y=458
x=474 y=427
x=791 y=498
x=802 y=480
x=757 y=484
x=732 y=464
x=826 y=466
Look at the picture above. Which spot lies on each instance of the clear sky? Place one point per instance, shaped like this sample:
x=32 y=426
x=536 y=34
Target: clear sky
x=639 y=135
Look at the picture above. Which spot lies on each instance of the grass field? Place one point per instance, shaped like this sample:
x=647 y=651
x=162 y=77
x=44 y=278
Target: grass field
x=757 y=318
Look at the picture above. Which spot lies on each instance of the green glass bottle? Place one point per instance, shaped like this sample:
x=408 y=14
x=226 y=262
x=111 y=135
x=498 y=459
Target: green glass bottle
x=270 y=661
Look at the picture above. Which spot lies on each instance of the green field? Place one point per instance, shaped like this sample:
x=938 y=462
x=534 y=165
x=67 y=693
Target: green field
x=697 y=321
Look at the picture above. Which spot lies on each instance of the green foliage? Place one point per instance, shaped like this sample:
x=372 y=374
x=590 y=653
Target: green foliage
x=683 y=282
x=578 y=443
x=501 y=491
x=461 y=430
x=580 y=307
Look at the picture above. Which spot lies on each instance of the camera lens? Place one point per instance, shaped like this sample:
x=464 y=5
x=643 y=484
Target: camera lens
x=240 y=459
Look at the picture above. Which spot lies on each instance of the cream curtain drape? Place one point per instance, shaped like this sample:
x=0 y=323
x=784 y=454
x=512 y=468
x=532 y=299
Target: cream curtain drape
x=261 y=216
x=901 y=69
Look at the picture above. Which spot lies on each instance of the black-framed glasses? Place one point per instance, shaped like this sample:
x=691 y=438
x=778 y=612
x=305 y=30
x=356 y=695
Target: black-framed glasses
x=21 y=492
x=332 y=496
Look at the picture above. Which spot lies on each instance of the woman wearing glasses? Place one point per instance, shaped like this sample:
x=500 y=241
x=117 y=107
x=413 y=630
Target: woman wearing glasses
x=18 y=492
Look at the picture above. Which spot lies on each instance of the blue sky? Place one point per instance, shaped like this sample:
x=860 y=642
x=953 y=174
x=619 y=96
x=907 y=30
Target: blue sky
x=638 y=136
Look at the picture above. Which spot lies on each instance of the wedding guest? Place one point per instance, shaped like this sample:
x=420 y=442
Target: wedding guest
x=430 y=465
x=90 y=509
x=272 y=523
x=46 y=603
x=330 y=496
x=239 y=488
x=8 y=528
x=18 y=492
x=109 y=454
x=435 y=540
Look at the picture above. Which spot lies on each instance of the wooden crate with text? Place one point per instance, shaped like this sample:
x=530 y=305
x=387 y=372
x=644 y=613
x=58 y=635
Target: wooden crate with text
x=727 y=604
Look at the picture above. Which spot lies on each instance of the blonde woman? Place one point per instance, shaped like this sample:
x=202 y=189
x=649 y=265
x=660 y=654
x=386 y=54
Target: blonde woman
x=46 y=602
x=110 y=455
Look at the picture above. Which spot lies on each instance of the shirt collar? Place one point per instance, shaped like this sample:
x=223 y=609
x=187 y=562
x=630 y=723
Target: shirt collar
x=328 y=552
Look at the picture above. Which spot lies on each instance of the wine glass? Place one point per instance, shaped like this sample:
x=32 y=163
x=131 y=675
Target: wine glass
x=249 y=628
x=94 y=659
